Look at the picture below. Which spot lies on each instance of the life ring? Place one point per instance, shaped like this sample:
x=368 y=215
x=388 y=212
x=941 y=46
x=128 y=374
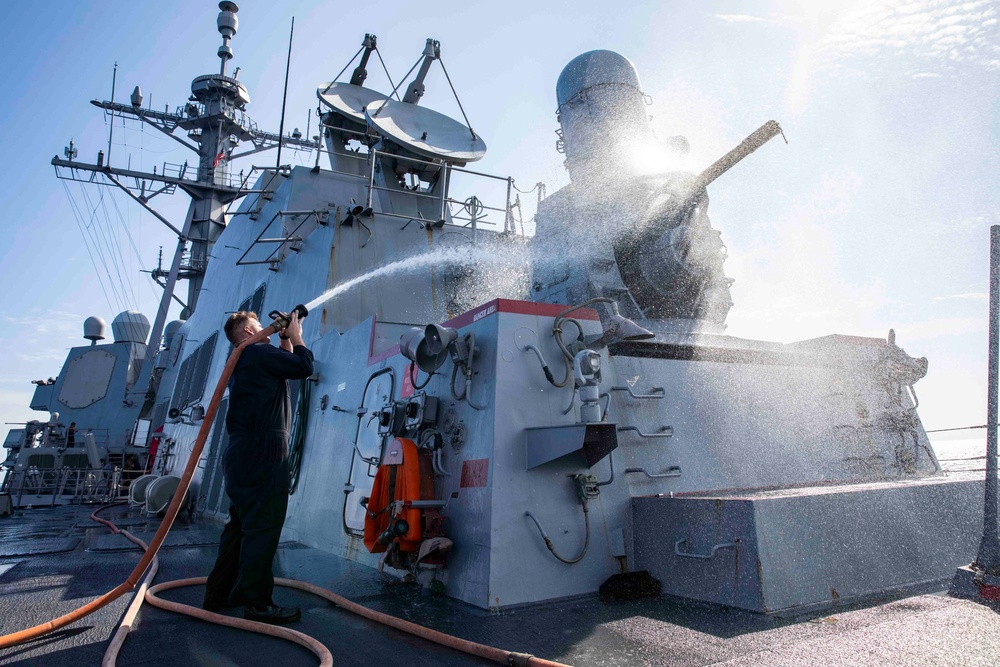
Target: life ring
x=397 y=479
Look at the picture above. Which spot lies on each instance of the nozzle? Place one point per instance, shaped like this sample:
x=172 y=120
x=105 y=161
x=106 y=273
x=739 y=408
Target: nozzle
x=282 y=320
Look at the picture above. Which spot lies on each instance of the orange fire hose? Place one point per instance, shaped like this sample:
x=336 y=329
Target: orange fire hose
x=15 y=638
x=149 y=558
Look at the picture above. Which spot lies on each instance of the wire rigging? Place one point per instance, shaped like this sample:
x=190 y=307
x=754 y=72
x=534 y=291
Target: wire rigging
x=387 y=75
x=117 y=258
x=79 y=223
x=89 y=226
x=128 y=232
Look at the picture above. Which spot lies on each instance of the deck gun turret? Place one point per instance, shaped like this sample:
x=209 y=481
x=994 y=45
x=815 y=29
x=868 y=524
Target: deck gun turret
x=672 y=260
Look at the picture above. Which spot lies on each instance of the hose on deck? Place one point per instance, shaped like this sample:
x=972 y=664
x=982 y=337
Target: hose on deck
x=150 y=561
x=130 y=583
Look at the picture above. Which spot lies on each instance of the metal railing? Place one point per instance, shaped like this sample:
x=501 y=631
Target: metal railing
x=40 y=486
x=473 y=206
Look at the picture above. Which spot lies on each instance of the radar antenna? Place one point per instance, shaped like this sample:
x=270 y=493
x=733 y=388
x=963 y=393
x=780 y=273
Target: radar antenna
x=215 y=122
x=426 y=133
x=228 y=24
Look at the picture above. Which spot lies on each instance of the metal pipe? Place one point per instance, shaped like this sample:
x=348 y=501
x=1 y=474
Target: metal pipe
x=508 y=214
x=468 y=374
x=988 y=558
x=473 y=214
x=142 y=385
x=284 y=96
x=371 y=179
x=479 y=173
x=444 y=191
x=481 y=205
x=611 y=462
x=111 y=127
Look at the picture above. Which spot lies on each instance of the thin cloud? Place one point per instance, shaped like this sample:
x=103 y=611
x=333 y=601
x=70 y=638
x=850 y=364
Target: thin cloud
x=940 y=328
x=945 y=32
x=739 y=18
x=54 y=322
x=969 y=296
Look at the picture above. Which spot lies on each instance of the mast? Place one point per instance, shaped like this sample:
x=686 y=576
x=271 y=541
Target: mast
x=215 y=122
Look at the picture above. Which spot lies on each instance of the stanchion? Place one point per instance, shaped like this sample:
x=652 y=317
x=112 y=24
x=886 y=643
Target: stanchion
x=981 y=579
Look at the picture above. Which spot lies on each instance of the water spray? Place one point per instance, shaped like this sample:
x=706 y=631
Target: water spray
x=463 y=256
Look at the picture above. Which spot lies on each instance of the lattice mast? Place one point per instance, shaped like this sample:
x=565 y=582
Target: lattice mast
x=215 y=122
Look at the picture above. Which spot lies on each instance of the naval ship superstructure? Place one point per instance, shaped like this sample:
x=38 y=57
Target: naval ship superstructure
x=511 y=420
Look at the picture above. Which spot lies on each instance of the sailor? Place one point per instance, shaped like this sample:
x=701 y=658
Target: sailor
x=256 y=469
x=71 y=435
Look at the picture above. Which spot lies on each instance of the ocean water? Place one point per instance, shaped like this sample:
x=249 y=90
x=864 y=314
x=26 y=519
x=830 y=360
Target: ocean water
x=966 y=454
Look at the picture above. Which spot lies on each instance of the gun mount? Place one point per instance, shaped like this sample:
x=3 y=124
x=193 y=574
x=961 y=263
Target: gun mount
x=672 y=262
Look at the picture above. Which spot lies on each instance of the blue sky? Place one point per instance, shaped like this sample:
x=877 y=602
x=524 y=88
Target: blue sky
x=875 y=215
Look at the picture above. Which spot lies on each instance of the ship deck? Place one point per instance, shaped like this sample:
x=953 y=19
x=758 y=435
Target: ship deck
x=53 y=560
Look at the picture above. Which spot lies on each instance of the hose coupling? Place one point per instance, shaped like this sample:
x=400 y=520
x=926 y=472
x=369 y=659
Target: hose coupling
x=519 y=659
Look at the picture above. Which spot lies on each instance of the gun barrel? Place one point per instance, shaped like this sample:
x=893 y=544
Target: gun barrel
x=758 y=138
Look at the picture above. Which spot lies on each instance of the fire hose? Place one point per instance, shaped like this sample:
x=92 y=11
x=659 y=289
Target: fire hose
x=149 y=561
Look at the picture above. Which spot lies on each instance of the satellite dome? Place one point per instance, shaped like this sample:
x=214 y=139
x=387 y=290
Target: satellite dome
x=170 y=331
x=130 y=326
x=95 y=328
x=595 y=68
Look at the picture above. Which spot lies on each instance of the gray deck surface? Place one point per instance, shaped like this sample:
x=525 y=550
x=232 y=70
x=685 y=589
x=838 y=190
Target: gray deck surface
x=44 y=581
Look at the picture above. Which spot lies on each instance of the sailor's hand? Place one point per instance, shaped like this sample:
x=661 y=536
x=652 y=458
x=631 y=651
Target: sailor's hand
x=294 y=329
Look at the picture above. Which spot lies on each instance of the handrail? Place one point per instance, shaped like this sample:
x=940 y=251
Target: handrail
x=672 y=471
x=665 y=432
x=710 y=554
x=653 y=392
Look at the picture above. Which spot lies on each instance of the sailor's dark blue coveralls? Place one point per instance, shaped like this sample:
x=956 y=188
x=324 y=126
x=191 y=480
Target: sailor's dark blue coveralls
x=256 y=467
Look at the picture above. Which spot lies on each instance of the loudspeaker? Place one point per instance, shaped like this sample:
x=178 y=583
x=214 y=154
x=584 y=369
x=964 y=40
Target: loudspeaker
x=427 y=354
x=438 y=338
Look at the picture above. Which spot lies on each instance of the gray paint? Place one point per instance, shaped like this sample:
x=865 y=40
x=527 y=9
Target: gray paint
x=798 y=549
x=824 y=411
